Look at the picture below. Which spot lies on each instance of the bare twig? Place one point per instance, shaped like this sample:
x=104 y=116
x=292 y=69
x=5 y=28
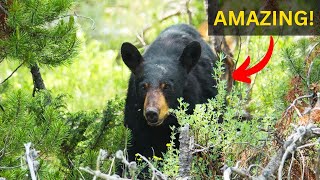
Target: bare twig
x=290 y=167
x=156 y=174
x=189 y=13
x=228 y=172
x=79 y=16
x=112 y=163
x=101 y=157
x=30 y=161
x=303 y=164
x=70 y=161
x=294 y=103
x=185 y=156
x=318 y=165
x=141 y=39
x=308 y=145
x=301 y=135
x=12 y=167
x=15 y=70
x=4 y=10
x=178 y=13
x=101 y=175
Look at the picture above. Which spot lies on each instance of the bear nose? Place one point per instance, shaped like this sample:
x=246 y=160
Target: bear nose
x=152 y=114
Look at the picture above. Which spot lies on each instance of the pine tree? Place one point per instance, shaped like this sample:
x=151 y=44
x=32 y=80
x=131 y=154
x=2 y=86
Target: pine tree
x=35 y=33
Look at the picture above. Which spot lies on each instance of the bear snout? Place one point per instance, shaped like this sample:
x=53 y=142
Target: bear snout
x=152 y=115
x=155 y=107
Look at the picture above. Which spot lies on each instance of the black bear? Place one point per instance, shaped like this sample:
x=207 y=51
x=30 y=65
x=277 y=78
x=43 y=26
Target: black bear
x=179 y=63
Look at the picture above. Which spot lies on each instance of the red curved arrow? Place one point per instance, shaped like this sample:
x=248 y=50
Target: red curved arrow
x=242 y=73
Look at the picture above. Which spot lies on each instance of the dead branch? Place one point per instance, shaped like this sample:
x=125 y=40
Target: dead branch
x=293 y=104
x=4 y=10
x=101 y=157
x=318 y=164
x=15 y=70
x=140 y=36
x=276 y=164
x=185 y=156
x=228 y=172
x=189 y=13
x=79 y=16
x=30 y=158
x=99 y=174
x=156 y=174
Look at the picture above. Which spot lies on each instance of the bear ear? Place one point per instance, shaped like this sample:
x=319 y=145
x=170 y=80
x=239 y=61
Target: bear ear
x=190 y=55
x=131 y=56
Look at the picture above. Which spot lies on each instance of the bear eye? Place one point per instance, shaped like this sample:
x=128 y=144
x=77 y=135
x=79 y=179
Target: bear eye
x=145 y=86
x=165 y=86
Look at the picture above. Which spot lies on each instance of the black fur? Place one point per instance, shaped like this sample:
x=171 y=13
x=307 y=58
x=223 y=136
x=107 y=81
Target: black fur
x=180 y=58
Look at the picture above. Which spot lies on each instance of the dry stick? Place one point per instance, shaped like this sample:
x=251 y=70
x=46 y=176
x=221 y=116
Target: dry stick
x=30 y=161
x=185 y=156
x=76 y=168
x=102 y=155
x=156 y=174
x=302 y=134
x=146 y=29
x=303 y=164
x=310 y=67
x=301 y=131
x=80 y=16
x=97 y=173
x=189 y=12
x=276 y=163
x=101 y=175
x=12 y=73
x=4 y=10
x=290 y=167
x=228 y=172
x=294 y=103
x=318 y=165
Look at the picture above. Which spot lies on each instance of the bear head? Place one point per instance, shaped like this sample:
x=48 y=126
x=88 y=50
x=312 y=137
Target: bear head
x=159 y=76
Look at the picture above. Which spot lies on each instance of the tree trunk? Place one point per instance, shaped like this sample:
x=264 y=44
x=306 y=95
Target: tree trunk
x=38 y=83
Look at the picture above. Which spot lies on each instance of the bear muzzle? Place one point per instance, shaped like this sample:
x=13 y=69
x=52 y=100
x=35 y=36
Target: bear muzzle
x=156 y=108
x=152 y=115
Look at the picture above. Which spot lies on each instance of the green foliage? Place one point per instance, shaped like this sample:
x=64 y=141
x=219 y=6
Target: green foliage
x=297 y=56
x=106 y=132
x=38 y=34
x=69 y=129
x=227 y=139
x=65 y=140
x=170 y=161
x=38 y=120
